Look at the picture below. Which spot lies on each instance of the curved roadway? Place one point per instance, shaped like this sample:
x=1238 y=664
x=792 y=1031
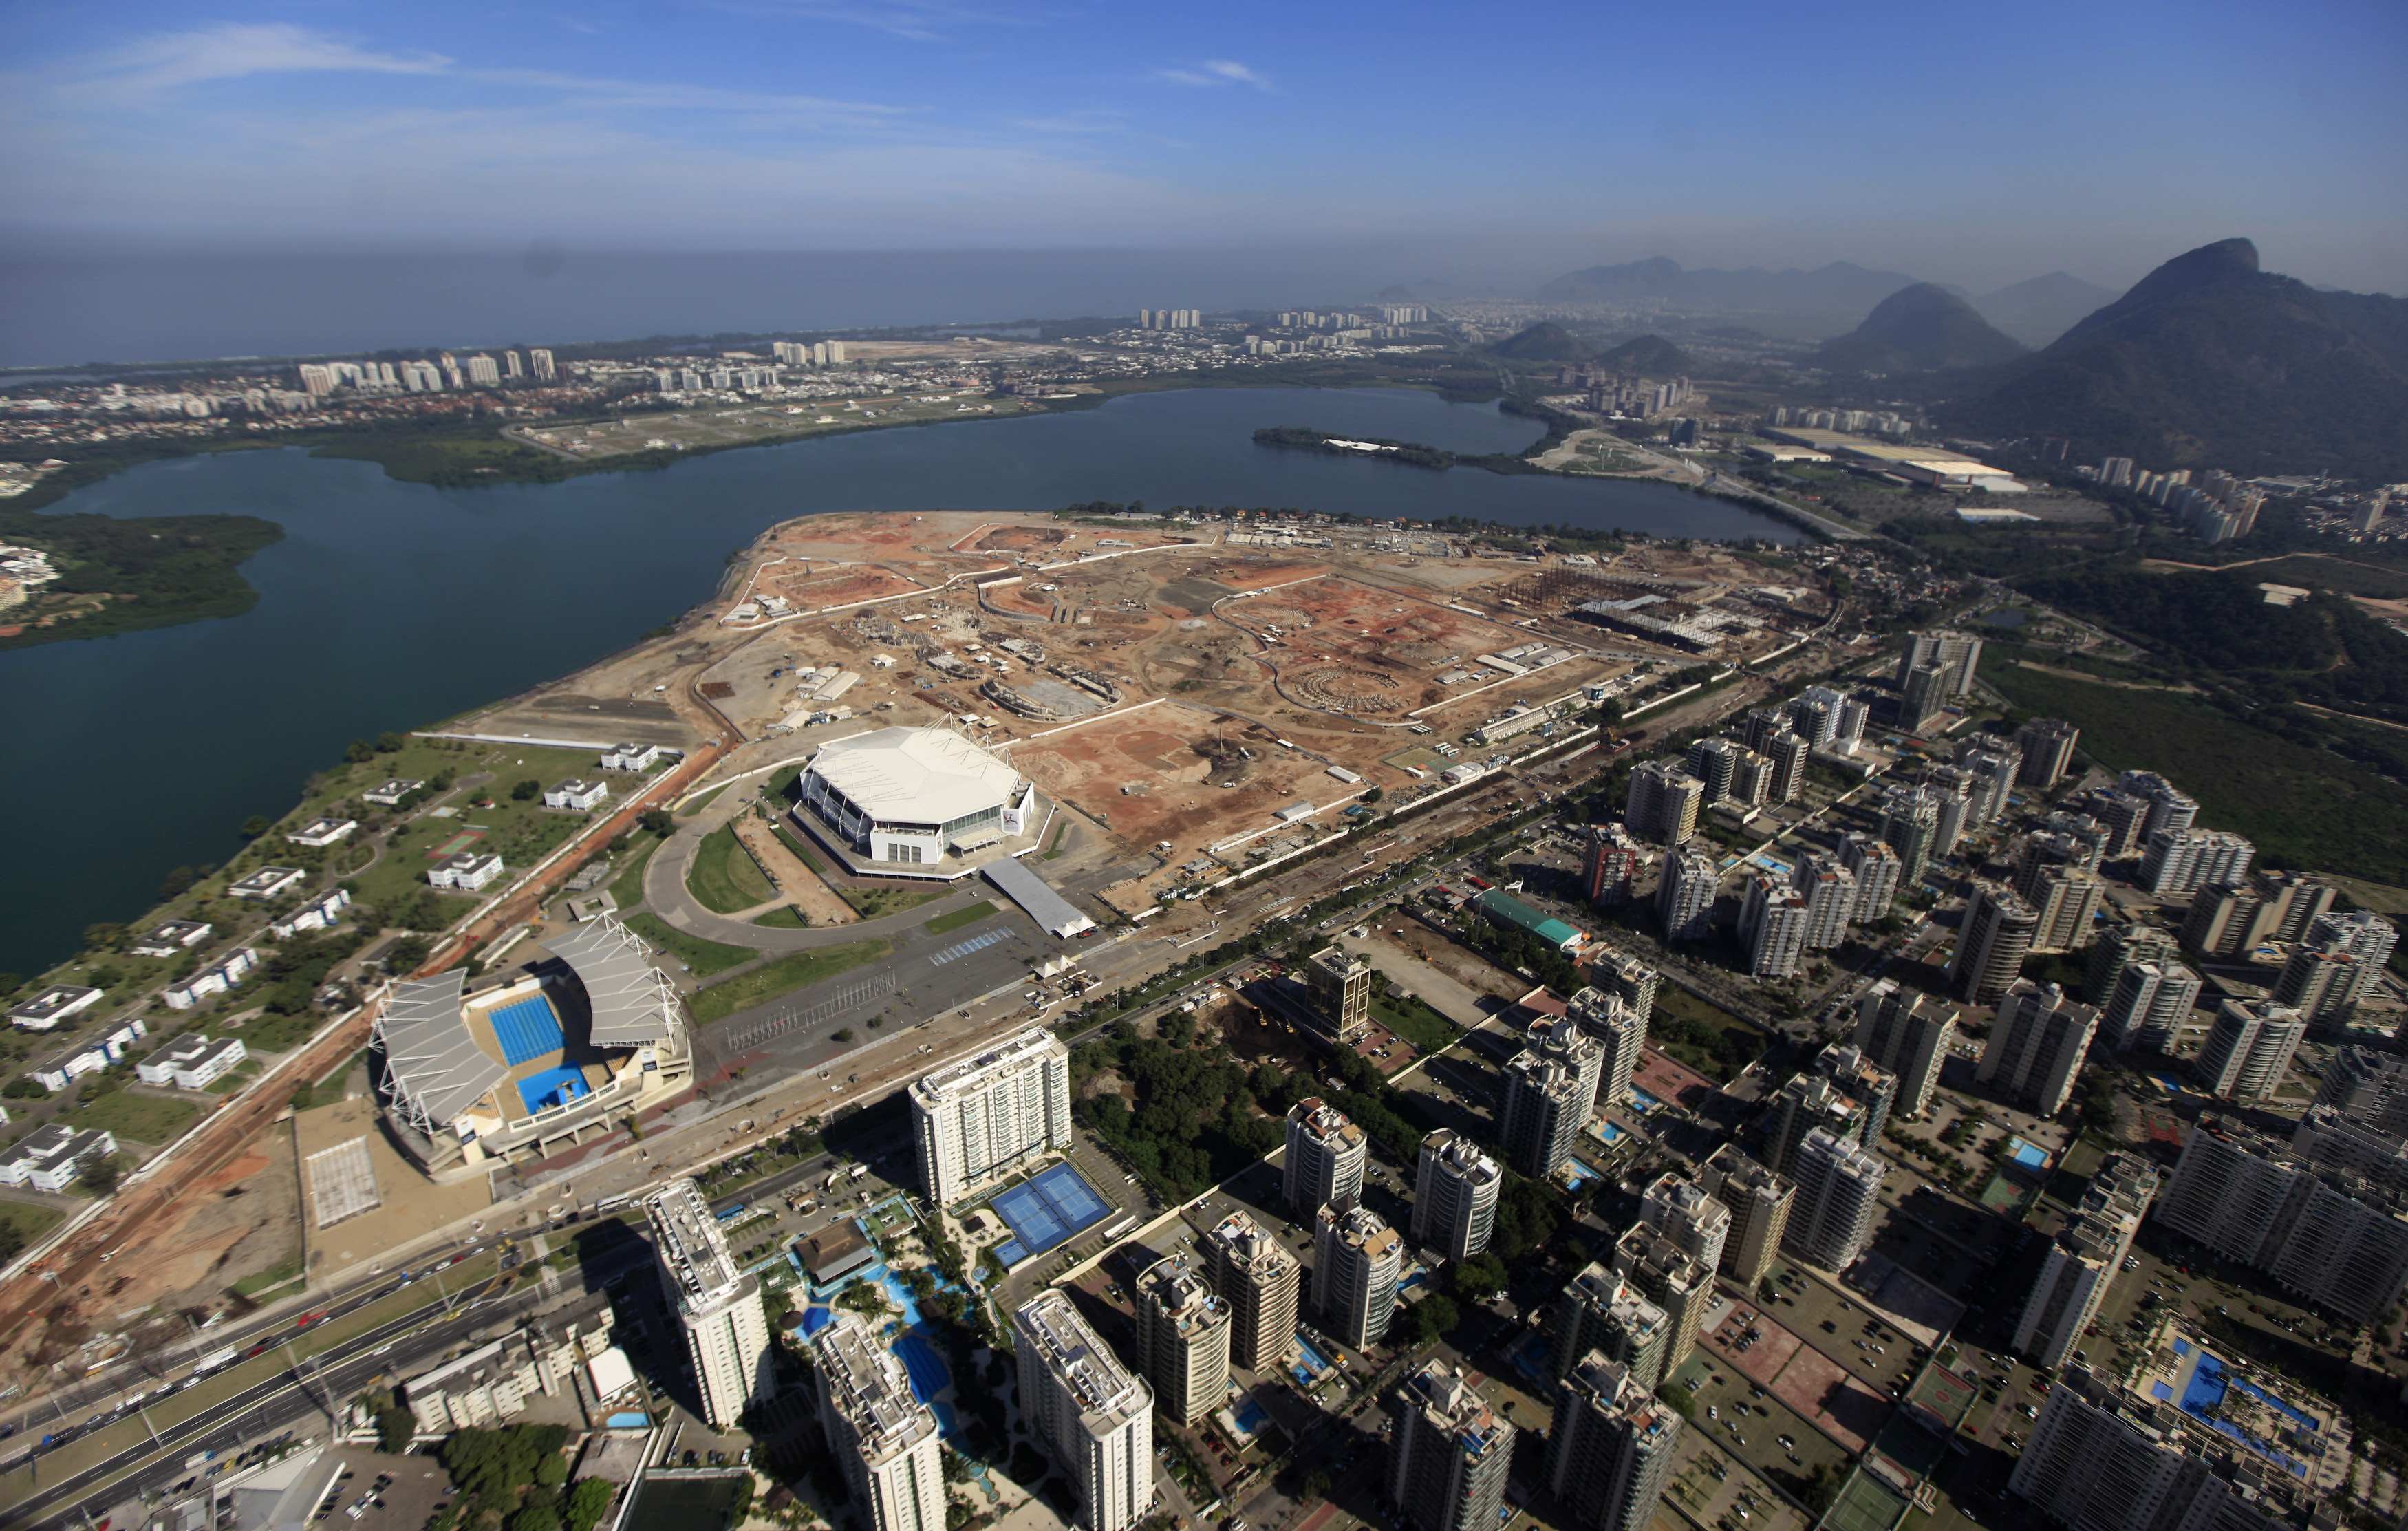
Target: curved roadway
x=666 y=893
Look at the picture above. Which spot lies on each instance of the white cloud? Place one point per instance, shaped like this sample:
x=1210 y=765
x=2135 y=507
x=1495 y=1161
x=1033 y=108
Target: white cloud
x=1215 y=72
x=914 y=20
x=237 y=50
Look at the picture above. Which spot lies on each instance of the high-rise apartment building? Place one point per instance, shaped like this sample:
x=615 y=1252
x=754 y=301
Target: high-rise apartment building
x=1684 y=898
x=2336 y=965
x=2368 y=1087
x=1610 y=862
x=483 y=373
x=2328 y=1235
x=1712 y=761
x=510 y=367
x=1357 y=1258
x=2293 y=902
x=1760 y=1200
x=2248 y=1049
x=2177 y=863
x=1448 y=1452
x=1772 y=920
x=1956 y=654
x=1183 y=1339
x=882 y=1437
x=1326 y=1153
x=2084 y=1259
x=1992 y=943
x=2223 y=920
x=1550 y=1091
x=1673 y=1279
x=1620 y=1032
x=1840 y=1090
x=1910 y=825
x=1875 y=866
x=1830 y=890
x=2065 y=902
x=1664 y=802
x=1908 y=1034
x=1455 y=1195
x=1600 y=1312
x=1787 y=752
x=1628 y=980
x=2100 y=1461
x=1839 y=1190
x=1337 y=985
x=1687 y=1213
x=979 y=1120
x=2037 y=1045
x=2047 y=747
x=2150 y=1008
x=718 y=1305
x=2170 y=810
x=540 y=360
x=2118 y=948
x=1924 y=693
x=1609 y=1447
x=1259 y=1280
x=1095 y=1417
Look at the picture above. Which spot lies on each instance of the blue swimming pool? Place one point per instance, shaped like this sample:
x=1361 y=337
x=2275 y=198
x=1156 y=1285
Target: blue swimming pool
x=1580 y=1174
x=629 y=1422
x=526 y=1029
x=1644 y=1102
x=2030 y=1156
x=552 y=1087
x=1250 y=1416
x=1611 y=1133
x=929 y=1376
x=1049 y=1209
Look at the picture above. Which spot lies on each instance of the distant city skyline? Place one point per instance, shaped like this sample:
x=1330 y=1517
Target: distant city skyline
x=1947 y=147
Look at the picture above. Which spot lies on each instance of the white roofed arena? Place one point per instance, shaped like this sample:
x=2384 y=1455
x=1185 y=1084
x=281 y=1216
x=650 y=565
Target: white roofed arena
x=915 y=802
x=530 y=1068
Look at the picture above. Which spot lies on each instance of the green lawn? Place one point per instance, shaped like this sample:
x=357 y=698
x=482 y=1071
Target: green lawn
x=20 y=1222
x=1054 y=846
x=969 y=914
x=773 y=979
x=702 y=958
x=784 y=917
x=627 y=885
x=1704 y=1037
x=695 y=806
x=145 y=1119
x=870 y=903
x=2304 y=809
x=724 y=878
x=1413 y=1019
x=523 y=832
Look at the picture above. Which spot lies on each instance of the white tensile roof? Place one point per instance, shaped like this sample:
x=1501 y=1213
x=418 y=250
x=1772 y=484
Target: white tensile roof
x=915 y=774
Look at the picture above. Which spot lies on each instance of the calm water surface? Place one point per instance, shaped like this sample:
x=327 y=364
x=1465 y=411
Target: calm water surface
x=390 y=605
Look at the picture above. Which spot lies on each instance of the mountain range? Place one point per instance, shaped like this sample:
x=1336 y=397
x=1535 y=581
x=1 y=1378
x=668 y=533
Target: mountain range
x=2211 y=362
x=2038 y=311
x=1922 y=328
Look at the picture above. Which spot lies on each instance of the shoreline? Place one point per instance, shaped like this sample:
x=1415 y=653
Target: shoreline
x=443 y=458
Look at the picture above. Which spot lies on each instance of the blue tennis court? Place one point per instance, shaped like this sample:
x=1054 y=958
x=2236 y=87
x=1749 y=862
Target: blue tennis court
x=526 y=1029
x=1051 y=1209
x=551 y=1087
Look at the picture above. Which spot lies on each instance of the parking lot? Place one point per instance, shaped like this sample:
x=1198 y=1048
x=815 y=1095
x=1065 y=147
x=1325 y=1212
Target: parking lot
x=1818 y=1389
x=1843 y=1329
x=1745 y=1419
x=389 y=1492
x=1713 y=1488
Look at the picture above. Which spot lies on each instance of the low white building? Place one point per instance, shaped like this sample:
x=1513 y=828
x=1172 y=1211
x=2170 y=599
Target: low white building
x=268 y=882
x=576 y=794
x=88 y=1056
x=323 y=831
x=216 y=979
x=390 y=794
x=632 y=757
x=174 y=938
x=192 y=1062
x=318 y=916
x=51 y=1158
x=468 y=871
x=45 y=1010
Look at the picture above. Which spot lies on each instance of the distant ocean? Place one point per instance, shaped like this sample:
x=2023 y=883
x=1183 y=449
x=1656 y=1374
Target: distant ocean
x=65 y=310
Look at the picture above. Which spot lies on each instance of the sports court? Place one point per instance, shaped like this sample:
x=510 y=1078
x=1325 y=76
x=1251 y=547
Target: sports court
x=525 y=1028
x=1864 y=1505
x=443 y=849
x=551 y=1087
x=342 y=1181
x=1046 y=1211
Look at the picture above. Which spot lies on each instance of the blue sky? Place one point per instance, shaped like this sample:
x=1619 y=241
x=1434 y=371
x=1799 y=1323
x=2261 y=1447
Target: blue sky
x=1962 y=142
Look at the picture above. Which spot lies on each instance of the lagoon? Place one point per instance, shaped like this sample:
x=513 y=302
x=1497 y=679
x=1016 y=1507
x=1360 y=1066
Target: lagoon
x=392 y=606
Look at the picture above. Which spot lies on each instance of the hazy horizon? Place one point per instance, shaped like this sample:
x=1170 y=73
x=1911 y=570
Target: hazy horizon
x=1422 y=147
